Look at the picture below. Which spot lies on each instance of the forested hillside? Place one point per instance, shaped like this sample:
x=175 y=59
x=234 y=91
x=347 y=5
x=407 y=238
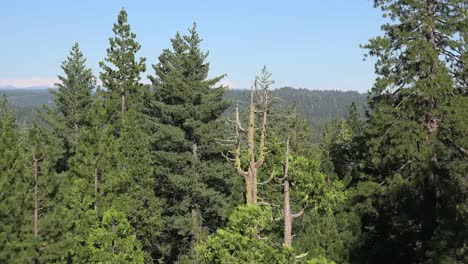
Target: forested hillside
x=316 y=107
x=176 y=172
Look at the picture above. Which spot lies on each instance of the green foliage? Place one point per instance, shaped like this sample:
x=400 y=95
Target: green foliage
x=327 y=228
x=72 y=101
x=320 y=260
x=133 y=173
x=182 y=121
x=16 y=240
x=312 y=188
x=242 y=242
x=315 y=106
x=121 y=69
x=417 y=91
x=124 y=173
x=113 y=241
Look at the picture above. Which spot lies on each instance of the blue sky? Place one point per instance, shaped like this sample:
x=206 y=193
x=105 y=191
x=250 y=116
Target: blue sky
x=311 y=44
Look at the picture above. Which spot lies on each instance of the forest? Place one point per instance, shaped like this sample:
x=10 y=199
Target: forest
x=184 y=170
x=317 y=107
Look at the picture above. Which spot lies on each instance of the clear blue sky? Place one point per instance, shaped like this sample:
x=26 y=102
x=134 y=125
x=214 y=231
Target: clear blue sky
x=312 y=44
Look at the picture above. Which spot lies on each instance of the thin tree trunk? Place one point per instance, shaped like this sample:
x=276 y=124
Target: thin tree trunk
x=429 y=223
x=36 y=191
x=195 y=231
x=195 y=212
x=287 y=207
x=430 y=35
x=122 y=104
x=250 y=174
x=36 y=199
x=288 y=215
x=96 y=187
x=251 y=197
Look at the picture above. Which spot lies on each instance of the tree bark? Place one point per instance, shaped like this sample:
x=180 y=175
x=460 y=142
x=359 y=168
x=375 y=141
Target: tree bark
x=287 y=207
x=429 y=223
x=196 y=230
x=36 y=191
x=250 y=174
x=195 y=212
x=251 y=151
x=96 y=187
x=122 y=100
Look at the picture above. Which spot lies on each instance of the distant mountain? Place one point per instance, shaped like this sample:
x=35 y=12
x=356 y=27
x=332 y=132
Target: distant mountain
x=26 y=100
x=316 y=106
x=9 y=87
x=27 y=97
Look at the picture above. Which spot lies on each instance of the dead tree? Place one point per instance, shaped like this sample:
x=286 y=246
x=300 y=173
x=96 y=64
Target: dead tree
x=255 y=160
x=288 y=215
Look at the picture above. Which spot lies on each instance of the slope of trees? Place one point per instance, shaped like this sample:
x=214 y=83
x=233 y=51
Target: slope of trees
x=317 y=107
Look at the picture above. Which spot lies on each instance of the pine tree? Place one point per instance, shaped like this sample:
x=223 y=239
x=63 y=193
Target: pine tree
x=353 y=119
x=58 y=138
x=412 y=142
x=183 y=119
x=243 y=240
x=121 y=70
x=72 y=100
x=113 y=241
x=118 y=173
x=44 y=151
x=16 y=193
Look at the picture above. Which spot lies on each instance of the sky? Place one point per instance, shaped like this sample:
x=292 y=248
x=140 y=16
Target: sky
x=311 y=44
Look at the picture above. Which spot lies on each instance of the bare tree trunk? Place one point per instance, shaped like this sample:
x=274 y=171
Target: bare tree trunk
x=251 y=151
x=122 y=100
x=429 y=224
x=288 y=215
x=195 y=212
x=96 y=187
x=250 y=174
x=36 y=161
x=196 y=230
x=36 y=191
x=430 y=36
x=287 y=207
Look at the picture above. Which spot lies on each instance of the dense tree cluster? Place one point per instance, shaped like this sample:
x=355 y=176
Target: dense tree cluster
x=172 y=172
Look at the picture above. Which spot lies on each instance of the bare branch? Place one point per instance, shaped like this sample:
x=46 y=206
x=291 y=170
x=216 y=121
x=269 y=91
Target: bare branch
x=267 y=181
x=298 y=214
x=464 y=151
x=227 y=158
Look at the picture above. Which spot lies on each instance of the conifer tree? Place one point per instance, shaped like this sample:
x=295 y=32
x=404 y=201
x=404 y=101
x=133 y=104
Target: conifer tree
x=244 y=240
x=118 y=173
x=183 y=120
x=16 y=193
x=121 y=69
x=72 y=100
x=113 y=241
x=413 y=147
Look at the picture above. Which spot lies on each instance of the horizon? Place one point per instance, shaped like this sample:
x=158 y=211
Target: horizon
x=39 y=88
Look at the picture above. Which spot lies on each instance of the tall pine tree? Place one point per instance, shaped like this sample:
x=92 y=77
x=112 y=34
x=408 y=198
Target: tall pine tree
x=16 y=193
x=72 y=100
x=121 y=69
x=183 y=122
x=415 y=148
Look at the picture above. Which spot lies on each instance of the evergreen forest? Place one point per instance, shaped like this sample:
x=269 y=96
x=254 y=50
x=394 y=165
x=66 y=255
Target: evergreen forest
x=112 y=169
